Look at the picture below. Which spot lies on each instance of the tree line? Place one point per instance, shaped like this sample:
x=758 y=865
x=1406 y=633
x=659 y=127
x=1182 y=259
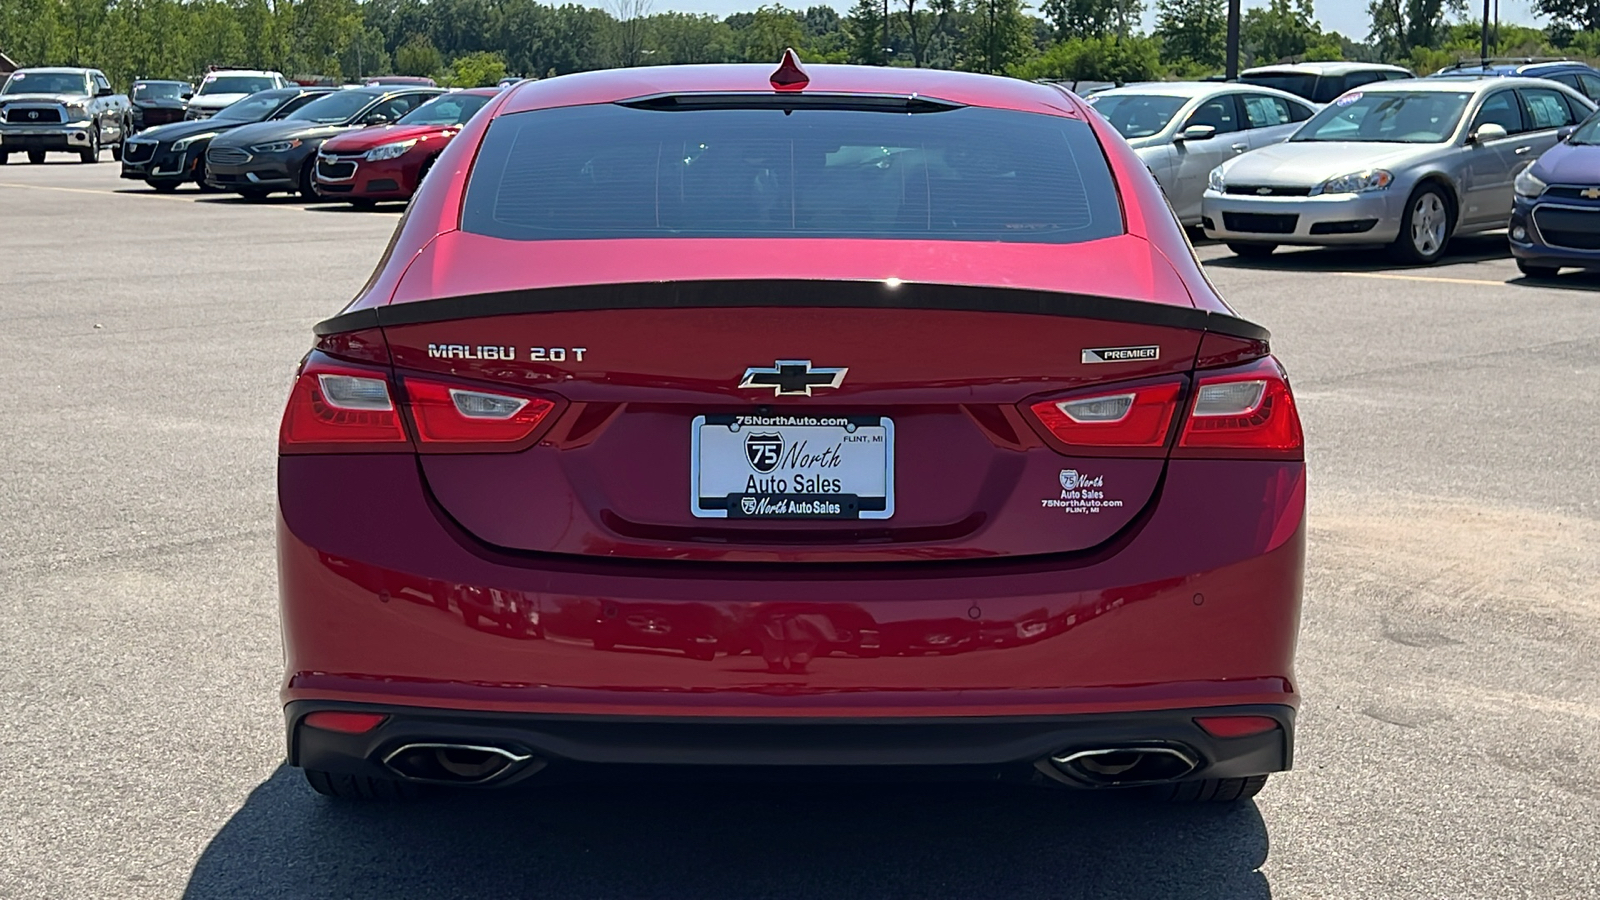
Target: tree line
x=470 y=42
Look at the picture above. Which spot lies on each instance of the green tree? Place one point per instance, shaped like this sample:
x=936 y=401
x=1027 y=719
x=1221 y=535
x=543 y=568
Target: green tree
x=1399 y=26
x=1193 y=30
x=867 y=37
x=418 y=56
x=1092 y=18
x=680 y=38
x=772 y=30
x=997 y=36
x=1109 y=58
x=1281 y=30
x=1581 y=15
x=477 y=69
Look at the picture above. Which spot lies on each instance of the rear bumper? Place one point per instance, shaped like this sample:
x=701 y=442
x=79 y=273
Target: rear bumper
x=385 y=601
x=1332 y=219
x=1019 y=746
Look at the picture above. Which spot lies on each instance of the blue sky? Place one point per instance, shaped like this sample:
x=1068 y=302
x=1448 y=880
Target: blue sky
x=1346 y=16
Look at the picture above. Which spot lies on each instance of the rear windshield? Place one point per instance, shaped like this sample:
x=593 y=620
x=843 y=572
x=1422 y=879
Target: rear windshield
x=1296 y=83
x=236 y=84
x=1138 y=115
x=608 y=171
x=159 y=90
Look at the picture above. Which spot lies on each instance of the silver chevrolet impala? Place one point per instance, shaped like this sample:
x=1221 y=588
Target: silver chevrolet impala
x=1183 y=129
x=1407 y=164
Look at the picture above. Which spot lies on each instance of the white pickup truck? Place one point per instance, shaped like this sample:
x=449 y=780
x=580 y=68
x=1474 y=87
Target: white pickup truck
x=61 y=110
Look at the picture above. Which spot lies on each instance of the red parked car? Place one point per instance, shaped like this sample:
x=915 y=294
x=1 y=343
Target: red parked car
x=387 y=163
x=724 y=415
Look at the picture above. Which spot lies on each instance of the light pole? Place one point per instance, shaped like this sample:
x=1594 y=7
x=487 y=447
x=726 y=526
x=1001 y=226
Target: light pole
x=1233 y=40
x=1483 y=46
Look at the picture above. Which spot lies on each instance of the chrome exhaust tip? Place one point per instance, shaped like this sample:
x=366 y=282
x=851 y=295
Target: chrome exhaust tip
x=438 y=763
x=1126 y=766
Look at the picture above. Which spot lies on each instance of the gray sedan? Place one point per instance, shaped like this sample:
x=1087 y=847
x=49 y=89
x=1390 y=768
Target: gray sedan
x=1406 y=164
x=1183 y=130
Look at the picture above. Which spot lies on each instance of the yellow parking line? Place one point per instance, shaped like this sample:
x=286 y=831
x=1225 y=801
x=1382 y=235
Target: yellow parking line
x=67 y=190
x=1421 y=278
x=41 y=187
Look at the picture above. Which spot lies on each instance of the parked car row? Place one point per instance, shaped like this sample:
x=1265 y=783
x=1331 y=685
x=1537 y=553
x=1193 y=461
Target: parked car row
x=362 y=144
x=1402 y=163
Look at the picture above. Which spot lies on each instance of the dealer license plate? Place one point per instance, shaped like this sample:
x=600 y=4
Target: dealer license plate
x=792 y=467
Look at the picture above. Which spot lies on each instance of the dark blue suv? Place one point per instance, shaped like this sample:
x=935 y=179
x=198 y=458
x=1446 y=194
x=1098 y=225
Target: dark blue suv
x=1581 y=77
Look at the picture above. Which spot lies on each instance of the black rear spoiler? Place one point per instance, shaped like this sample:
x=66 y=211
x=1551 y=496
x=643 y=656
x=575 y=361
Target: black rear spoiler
x=794 y=293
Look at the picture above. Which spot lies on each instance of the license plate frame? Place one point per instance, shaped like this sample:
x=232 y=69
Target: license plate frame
x=803 y=456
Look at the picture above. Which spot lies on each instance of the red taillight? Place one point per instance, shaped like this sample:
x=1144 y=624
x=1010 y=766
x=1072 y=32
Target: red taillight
x=456 y=417
x=1243 y=413
x=344 y=722
x=1128 y=417
x=1236 y=726
x=335 y=408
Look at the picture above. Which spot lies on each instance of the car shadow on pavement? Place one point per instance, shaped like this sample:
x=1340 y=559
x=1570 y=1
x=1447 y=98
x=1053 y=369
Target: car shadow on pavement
x=1467 y=249
x=729 y=839
x=1566 y=281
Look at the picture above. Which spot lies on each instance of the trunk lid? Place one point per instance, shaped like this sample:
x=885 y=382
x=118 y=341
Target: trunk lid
x=671 y=395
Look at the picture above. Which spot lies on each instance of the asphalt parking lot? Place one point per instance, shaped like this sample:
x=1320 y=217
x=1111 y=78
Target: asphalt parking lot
x=1448 y=746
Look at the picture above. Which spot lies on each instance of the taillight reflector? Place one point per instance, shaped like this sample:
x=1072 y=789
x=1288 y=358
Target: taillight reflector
x=1122 y=417
x=1243 y=412
x=333 y=408
x=463 y=417
x=1236 y=726
x=344 y=722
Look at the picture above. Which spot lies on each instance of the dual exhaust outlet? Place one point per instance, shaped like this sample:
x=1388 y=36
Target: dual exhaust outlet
x=460 y=764
x=483 y=764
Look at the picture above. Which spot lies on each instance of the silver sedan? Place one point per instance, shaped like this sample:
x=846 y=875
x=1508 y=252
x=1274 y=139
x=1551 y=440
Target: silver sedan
x=1406 y=164
x=1184 y=129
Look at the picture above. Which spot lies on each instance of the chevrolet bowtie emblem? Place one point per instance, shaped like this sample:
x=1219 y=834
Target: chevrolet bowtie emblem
x=1592 y=193
x=1263 y=191
x=792 y=378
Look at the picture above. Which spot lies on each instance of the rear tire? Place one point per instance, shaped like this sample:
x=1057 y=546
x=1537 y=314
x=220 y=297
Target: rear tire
x=36 y=157
x=254 y=195
x=165 y=187
x=1425 y=229
x=116 y=149
x=1251 y=251
x=363 y=203
x=1533 y=270
x=4 y=158
x=1213 y=790
x=359 y=787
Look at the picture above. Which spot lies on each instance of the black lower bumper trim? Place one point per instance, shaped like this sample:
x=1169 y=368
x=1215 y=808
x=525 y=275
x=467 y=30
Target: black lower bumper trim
x=905 y=742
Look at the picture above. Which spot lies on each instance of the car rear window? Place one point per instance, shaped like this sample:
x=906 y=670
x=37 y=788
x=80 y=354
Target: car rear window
x=612 y=171
x=1299 y=84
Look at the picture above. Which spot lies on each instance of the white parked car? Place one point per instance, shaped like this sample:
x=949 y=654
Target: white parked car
x=225 y=87
x=1184 y=129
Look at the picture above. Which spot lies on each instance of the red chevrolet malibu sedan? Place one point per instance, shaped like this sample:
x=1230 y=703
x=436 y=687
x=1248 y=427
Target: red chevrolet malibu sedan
x=387 y=163
x=741 y=416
